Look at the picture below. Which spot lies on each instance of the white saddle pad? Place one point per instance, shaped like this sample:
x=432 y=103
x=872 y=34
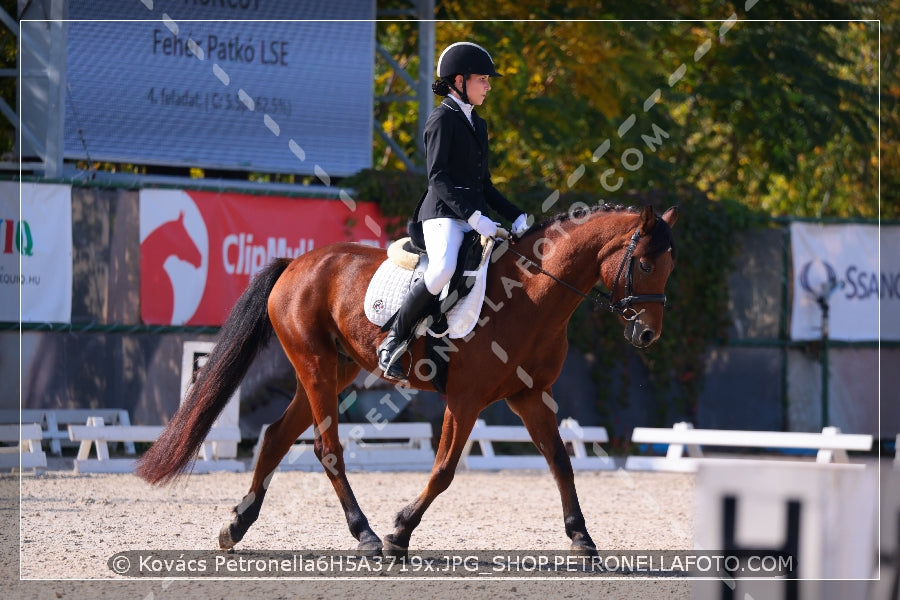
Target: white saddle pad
x=391 y=283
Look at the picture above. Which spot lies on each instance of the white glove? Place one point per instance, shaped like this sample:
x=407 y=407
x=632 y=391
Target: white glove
x=520 y=225
x=482 y=224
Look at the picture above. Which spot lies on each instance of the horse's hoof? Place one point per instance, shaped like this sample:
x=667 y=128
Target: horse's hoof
x=225 y=541
x=583 y=549
x=394 y=550
x=370 y=547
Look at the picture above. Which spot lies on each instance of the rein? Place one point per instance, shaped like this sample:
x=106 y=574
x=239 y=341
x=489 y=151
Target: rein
x=604 y=299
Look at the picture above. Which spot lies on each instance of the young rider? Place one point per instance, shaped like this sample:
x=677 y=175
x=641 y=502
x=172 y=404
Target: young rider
x=459 y=189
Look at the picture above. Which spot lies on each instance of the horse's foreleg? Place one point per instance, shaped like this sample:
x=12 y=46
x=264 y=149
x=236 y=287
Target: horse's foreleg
x=540 y=421
x=278 y=439
x=454 y=434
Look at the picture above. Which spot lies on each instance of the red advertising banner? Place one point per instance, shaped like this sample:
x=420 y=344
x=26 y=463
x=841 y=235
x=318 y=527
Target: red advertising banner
x=199 y=250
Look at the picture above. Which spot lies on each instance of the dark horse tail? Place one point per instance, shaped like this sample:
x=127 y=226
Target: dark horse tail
x=243 y=335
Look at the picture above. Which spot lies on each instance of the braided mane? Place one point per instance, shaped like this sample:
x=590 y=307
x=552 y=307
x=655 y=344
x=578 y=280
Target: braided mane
x=660 y=240
x=582 y=212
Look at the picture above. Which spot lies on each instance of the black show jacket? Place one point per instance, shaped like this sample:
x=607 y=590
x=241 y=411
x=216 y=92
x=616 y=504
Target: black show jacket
x=456 y=155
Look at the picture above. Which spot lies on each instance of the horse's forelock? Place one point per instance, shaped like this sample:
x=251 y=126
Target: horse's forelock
x=659 y=241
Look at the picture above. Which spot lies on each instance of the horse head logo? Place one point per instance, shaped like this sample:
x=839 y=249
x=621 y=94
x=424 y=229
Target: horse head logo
x=167 y=253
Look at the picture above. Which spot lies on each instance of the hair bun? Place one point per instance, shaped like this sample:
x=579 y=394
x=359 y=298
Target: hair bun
x=440 y=87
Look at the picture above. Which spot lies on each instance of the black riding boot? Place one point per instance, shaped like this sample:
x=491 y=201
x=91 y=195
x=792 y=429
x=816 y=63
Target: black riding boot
x=415 y=306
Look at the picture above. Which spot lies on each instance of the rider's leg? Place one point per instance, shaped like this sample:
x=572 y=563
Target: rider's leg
x=443 y=238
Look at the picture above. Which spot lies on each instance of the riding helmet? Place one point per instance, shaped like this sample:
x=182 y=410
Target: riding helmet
x=465 y=58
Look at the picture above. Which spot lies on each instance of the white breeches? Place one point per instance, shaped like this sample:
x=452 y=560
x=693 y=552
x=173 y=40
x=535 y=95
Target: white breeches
x=443 y=237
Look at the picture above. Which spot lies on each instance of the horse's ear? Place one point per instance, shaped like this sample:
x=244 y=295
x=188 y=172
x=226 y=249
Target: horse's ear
x=648 y=220
x=670 y=216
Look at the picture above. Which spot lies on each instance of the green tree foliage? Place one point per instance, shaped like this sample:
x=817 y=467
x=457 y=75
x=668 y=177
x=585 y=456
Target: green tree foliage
x=890 y=112
x=778 y=115
x=8 y=58
x=793 y=108
x=397 y=119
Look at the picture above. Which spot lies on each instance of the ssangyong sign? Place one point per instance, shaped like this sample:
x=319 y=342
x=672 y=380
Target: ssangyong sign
x=199 y=250
x=857 y=269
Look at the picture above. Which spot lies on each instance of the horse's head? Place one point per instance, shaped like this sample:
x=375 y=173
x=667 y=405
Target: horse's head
x=637 y=275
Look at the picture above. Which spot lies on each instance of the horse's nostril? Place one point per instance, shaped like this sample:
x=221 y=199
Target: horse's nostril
x=646 y=336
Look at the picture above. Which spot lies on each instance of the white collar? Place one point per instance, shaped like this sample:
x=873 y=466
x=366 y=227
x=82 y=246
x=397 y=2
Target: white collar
x=466 y=108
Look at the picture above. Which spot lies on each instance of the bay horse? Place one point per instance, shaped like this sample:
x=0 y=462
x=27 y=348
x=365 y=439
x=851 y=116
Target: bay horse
x=314 y=305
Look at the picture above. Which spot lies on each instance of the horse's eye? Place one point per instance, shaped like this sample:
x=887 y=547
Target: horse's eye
x=645 y=267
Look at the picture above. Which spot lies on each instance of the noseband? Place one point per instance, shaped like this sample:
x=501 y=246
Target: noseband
x=622 y=306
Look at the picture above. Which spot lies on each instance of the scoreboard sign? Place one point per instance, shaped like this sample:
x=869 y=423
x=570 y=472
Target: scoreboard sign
x=247 y=85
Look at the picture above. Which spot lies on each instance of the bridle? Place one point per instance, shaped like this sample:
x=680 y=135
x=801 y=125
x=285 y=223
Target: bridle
x=604 y=300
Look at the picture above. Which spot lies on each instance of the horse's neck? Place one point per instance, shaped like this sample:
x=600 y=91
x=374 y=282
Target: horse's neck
x=573 y=254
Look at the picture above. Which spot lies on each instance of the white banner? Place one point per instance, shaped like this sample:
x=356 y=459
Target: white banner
x=842 y=264
x=36 y=252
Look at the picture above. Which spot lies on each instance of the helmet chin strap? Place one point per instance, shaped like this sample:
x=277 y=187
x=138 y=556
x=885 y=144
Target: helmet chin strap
x=462 y=94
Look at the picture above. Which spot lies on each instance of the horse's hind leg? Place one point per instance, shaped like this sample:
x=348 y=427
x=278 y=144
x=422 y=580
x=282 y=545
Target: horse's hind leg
x=316 y=369
x=540 y=421
x=278 y=439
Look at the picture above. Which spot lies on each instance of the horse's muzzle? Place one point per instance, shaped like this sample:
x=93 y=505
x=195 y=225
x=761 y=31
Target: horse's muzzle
x=639 y=334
